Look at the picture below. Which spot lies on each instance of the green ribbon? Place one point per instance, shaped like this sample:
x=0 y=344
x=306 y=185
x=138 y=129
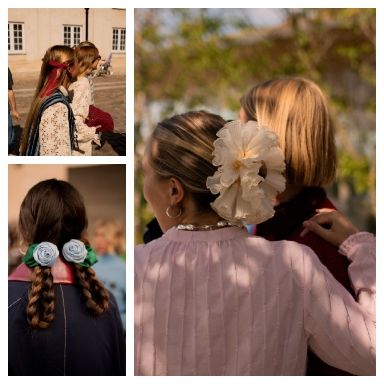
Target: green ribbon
x=90 y=259
x=29 y=260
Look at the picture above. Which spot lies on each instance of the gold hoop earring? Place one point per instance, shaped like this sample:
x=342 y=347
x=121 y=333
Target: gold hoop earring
x=173 y=216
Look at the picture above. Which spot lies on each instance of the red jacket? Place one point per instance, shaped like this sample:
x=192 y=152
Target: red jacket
x=287 y=225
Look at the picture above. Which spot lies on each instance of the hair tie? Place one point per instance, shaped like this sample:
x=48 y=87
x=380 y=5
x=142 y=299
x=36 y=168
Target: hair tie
x=56 y=64
x=46 y=254
x=75 y=251
x=53 y=81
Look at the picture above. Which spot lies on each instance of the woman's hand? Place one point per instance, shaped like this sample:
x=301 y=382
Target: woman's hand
x=331 y=225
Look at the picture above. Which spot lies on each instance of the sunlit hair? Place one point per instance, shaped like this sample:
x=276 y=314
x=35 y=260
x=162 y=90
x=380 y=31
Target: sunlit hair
x=53 y=210
x=297 y=110
x=60 y=54
x=182 y=147
x=85 y=55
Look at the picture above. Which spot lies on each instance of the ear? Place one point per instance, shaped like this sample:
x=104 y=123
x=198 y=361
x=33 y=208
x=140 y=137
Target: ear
x=176 y=191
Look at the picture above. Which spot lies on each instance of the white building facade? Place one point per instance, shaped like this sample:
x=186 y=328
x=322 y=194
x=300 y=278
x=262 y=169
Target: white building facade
x=31 y=31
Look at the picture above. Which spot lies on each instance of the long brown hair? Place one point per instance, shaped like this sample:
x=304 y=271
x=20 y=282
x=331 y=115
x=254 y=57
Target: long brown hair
x=53 y=210
x=60 y=54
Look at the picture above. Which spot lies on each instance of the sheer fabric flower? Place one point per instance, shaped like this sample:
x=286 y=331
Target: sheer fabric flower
x=74 y=251
x=45 y=254
x=250 y=166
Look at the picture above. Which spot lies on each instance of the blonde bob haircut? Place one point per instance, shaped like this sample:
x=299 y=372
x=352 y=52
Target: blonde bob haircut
x=182 y=147
x=296 y=109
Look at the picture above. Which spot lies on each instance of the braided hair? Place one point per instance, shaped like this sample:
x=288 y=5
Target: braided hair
x=53 y=210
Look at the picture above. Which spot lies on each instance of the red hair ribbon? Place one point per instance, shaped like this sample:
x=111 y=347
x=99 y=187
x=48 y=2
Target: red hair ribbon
x=52 y=82
x=56 y=64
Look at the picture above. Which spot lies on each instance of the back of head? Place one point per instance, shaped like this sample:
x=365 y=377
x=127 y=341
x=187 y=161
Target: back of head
x=52 y=76
x=85 y=55
x=297 y=110
x=53 y=210
x=182 y=146
x=60 y=54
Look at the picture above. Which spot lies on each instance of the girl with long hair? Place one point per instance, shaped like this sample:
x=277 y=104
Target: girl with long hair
x=50 y=125
x=61 y=319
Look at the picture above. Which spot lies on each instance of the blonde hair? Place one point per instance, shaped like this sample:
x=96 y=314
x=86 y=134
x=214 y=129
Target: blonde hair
x=181 y=147
x=56 y=53
x=297 y=110
x=85 y=55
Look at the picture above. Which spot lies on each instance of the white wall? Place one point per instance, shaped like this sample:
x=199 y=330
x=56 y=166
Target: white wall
x=43 y=27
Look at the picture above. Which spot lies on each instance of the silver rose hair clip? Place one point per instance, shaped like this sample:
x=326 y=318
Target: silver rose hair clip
x=74 y=251
x=45 y=254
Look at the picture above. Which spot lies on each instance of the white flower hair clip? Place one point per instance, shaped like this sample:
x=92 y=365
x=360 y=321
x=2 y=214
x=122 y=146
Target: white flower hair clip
x=74 y=251
x=45 y=254
x=250 y=172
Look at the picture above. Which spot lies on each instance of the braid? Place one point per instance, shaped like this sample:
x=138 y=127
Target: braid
x=41 y=299
x=48 y=299
x=98 y=288
x=95 y=295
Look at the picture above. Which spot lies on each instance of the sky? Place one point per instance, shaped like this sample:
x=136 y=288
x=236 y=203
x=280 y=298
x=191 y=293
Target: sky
x=260 y=16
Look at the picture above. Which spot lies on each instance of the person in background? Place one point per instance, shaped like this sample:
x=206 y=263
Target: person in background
x=109 y=244
x=85 y=56
x=297 y=111
x=12 y=110
x=96 y=116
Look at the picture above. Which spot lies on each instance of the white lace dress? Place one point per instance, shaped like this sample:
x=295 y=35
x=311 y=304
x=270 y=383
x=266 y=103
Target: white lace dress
x=80 y=106
x=54 y=131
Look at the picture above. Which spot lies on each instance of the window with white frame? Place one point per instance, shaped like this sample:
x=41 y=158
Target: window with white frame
x=118 y=39
x=72 y=35
x=15 y=37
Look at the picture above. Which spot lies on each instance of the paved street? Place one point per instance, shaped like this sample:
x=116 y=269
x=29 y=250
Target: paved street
x=109 y=96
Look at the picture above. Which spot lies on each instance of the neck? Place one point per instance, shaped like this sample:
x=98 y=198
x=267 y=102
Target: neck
x=206 y=218
x=289 y=193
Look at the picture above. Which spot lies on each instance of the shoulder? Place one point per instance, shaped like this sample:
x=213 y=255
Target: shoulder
x=55 y=110
x=17 y=294
x=283 y=249
x=281 y=258
x=253 y=247
x=154 y=251
x=80 y=84
x=143 y=250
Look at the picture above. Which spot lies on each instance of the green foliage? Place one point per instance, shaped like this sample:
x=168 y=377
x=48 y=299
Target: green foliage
x=208 y=58
x=355 y=170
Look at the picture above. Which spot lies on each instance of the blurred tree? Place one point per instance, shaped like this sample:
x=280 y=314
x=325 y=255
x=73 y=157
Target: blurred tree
x=206 y=58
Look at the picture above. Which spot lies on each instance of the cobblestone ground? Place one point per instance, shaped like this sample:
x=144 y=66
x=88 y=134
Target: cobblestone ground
x=109 y=96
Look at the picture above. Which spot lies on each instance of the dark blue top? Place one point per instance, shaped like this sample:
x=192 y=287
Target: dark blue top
x=76 y=343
